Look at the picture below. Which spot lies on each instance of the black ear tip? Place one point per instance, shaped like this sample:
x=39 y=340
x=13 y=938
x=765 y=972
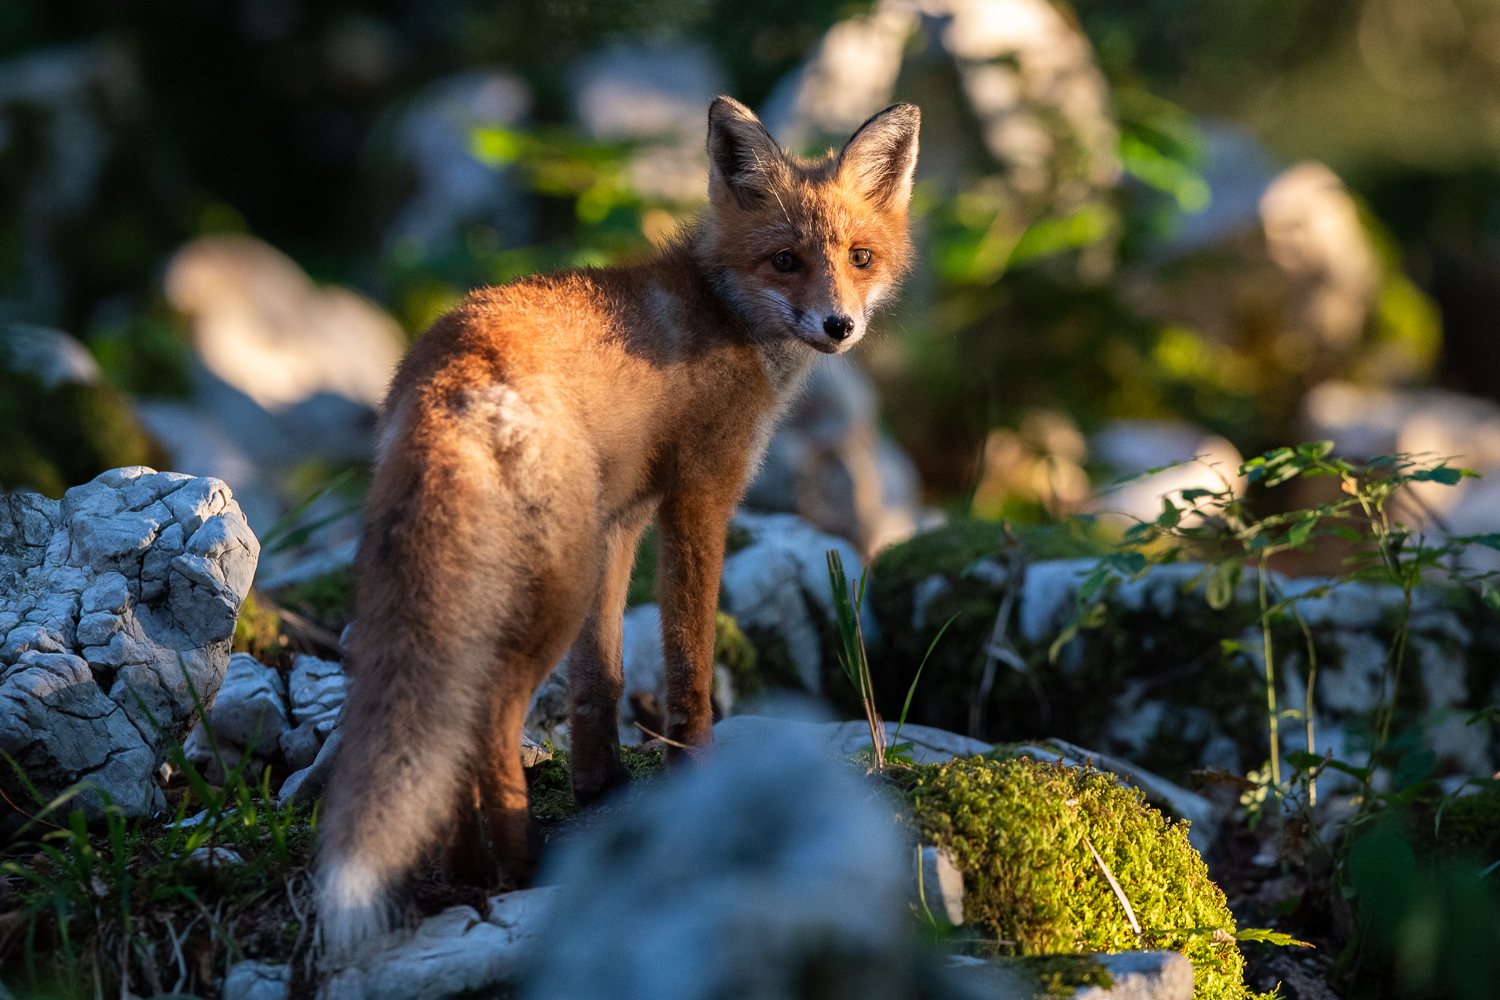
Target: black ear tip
x=725 y=106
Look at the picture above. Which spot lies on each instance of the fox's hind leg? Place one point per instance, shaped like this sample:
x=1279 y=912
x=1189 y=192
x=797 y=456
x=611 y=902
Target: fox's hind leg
x=594 y=673
x=466 y=860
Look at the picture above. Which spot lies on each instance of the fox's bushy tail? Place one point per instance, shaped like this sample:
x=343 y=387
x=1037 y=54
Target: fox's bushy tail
x=437 y=570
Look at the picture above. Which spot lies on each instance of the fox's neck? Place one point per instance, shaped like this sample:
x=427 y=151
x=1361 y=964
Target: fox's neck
x=787 y=361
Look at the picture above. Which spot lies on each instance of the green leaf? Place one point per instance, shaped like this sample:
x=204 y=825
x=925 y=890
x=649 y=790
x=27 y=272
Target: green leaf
x=1265 y=936
x=1362 y=773
x=1170 y=515
x=1415 y=766
x=1347 y=533
x=1442 y=474
x=1221 y=583
x=1489 y=541
x=1195 y=493
x=1302 y=531
x=1302 y=760
x=1315 y=450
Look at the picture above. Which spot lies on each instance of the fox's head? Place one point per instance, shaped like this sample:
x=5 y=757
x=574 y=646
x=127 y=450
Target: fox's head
x=809 y=248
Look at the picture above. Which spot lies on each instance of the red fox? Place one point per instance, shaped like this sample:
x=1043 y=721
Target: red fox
x=528 y=438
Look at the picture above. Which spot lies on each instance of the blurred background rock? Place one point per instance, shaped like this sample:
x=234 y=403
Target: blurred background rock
x=1147 y=233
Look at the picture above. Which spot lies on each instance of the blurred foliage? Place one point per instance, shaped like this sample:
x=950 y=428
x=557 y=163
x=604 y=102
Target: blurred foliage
x=55 y=437
x=278 y=117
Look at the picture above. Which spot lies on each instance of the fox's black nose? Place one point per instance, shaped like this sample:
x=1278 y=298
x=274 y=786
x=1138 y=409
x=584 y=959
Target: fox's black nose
x=838 y=327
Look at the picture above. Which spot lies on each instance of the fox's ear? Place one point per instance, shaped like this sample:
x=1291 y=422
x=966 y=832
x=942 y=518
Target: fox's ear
x=880 y=157
x=744 y=161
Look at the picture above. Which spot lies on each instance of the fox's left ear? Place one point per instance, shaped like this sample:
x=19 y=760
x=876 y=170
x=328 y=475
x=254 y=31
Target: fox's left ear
x=880 y=158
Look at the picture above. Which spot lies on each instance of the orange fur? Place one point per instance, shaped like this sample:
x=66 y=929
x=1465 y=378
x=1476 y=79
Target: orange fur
x=528 y=439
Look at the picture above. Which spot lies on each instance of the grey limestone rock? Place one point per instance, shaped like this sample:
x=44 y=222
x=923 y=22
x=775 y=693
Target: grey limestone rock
x=61 y=728
x=250 y=711
x=307 y=784
x=733 y=880
x=317 y=689
x=139 y=575
x=252 y=980
x=449 y=954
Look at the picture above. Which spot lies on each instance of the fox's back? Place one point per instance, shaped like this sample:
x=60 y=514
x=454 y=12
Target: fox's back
x=638 y=369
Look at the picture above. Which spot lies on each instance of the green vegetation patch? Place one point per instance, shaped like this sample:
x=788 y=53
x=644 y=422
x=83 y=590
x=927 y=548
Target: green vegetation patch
x=551 y=786
x=329 y=597
x=1020 y=832
x=1062 y=975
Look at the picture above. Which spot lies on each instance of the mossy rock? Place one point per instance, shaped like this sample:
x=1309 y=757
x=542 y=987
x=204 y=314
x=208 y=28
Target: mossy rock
x=1019 y=832
x=1178 y=658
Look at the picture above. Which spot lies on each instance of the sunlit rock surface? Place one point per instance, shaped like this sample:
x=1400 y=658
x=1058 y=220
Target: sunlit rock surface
x=117 y=604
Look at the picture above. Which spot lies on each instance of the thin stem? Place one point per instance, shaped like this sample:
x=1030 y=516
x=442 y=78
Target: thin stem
x=1402 y=634
x=1307 y=704
x=1265 y=631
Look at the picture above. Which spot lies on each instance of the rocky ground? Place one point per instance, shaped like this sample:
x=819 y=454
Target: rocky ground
x=194 y=875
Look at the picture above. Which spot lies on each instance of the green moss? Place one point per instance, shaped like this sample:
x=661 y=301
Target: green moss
x=737 y=653
x=1471 y=825
x=550 y=782
x=1062 y=975
x=257 y=630
x=329 y=597
x=1017 y=831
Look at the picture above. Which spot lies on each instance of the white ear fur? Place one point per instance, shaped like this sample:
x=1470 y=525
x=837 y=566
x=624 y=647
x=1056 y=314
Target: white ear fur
x=882 y=155
x=743 y=158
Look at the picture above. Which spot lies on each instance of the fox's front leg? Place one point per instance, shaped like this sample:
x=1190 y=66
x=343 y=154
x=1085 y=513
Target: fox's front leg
x=692 y=558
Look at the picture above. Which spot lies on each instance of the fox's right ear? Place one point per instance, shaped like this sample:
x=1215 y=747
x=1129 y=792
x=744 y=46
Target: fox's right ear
x=744 y=161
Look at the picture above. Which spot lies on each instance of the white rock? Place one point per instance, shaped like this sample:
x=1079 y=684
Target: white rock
x=940 y=888
x=250 y=708
x=453 y=952
x=299 y=746
x=307 y=784
x=764 y=586
x=742 y=733
x=252 y=980
x=51 y=355
x=262 y=326
x=141 y=574
x=728 y=880
x=61 y=728
x=830 y=464
x=317 y=689
x=211 y=857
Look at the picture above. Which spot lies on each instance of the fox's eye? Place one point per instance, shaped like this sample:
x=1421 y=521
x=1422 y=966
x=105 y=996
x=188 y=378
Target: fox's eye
x=859 y=258
x=784 y=261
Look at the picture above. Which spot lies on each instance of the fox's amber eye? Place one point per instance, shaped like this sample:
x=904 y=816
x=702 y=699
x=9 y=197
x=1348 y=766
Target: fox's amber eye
x=859 y=258
x=784 y=261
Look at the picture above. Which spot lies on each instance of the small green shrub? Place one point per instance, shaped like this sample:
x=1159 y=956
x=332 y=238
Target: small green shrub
x=1017 y=831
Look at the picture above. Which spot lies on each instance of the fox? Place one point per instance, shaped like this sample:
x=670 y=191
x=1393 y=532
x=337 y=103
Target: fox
x=526 y=441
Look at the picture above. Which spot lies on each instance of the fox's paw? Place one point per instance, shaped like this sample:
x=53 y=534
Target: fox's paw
x=592 y=783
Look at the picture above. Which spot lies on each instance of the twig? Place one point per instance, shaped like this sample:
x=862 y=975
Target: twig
x=659 y=736
x=1113 y=884
x=301 y=915
x=29 y=817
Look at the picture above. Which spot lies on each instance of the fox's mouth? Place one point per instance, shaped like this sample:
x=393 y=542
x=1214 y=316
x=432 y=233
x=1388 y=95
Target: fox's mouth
x=820 y=341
